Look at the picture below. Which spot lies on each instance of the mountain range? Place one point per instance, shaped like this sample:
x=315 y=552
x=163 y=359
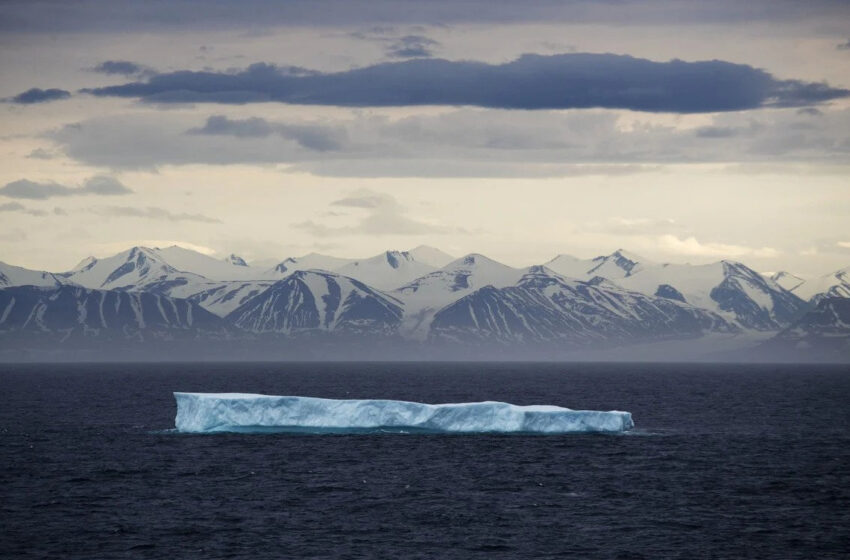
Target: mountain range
x=421 y=303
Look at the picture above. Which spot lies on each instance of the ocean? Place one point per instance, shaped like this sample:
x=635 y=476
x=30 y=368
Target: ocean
x=726 y=461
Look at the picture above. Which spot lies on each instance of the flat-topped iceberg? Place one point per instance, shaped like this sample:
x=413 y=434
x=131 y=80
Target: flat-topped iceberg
x=239 y=412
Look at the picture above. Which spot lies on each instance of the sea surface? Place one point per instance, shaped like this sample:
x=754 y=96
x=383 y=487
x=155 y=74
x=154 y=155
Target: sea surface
x=727 y=461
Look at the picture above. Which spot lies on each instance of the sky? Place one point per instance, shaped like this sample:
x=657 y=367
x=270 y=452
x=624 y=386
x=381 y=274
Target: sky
x=683 y=131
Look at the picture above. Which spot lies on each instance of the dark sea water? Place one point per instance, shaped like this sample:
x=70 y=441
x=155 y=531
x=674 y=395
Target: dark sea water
x=727 y=461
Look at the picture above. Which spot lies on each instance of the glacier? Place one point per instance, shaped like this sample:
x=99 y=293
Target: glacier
x=247 y=413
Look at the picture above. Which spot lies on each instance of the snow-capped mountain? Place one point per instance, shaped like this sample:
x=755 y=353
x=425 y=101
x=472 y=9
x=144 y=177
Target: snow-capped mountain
x=426 y=295
x=787 y=280
x=545 y=308
x=431 y=256
x=836 y=284
x=127 y=270
x=730 y=288
x=141 y=266
x=312 y=261
x=618 y=264
x=823 y=333
x=316 y=301
x=152 y=294
x=386 y=271
x=726 y=287
x=17 y=276
x=142 y=269
x=187 y=260
x=68 y=312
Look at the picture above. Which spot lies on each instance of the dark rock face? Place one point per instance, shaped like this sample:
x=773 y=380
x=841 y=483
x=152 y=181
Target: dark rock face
x=823 y=333
x=733 y=295
x=545 y=308
x=669 y=292
x=71 y=311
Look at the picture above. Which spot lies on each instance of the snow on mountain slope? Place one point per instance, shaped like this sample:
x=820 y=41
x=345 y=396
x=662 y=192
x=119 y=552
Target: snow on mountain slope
x=570 y=266
x=386 y=271
x=836 y=284
x=166 y=272
x=319 y=301
x=312 y=261
x=11 y=275
x=221 y=298
x=140 y=267
x=618 y=264
x=431 y=256
x=69 y=311
x=126 y=270
x=186 y=260
x=727 y=287
x=545 y=308
x=426 y=295
x=786 y=280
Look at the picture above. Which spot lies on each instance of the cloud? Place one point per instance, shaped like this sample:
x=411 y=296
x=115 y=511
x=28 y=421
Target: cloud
x=40 y=153
x=384 y=216
x=211 y=15
x=18 y=207
x=14 y=235
x=412 y=46
x=399 y=46
x=37 y=95
x=461 y=143
x=25 y=188
x=692 y=247
x=100 y=185
x=717 y=132
x=833 y=245
x=103 y=185
x=121 y=68
x=563 y=81
x=633 y=226
x=310 y=136
x=153 y=213
x=366 y=201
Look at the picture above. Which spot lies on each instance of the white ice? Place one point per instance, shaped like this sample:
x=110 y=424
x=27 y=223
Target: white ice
x=239 y=412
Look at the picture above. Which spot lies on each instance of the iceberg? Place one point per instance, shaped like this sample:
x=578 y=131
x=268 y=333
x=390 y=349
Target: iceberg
x=248 y=413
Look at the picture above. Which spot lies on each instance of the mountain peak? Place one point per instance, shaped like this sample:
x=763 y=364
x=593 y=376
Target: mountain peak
x=394 y=258
x=431 y=256
x=628 y=255
x=85 y=264
x=472 y=259
x=235 y=260
x=619 y=264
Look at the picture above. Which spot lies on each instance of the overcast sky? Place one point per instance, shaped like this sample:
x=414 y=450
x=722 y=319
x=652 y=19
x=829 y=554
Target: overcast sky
x=682 y=131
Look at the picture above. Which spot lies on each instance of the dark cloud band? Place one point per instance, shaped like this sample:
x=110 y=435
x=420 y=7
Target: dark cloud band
x=100 y=185
x=565 y=81
x=153 y=15
x=37 y=95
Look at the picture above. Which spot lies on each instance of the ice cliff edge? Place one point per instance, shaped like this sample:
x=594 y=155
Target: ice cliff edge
x=240 y=412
